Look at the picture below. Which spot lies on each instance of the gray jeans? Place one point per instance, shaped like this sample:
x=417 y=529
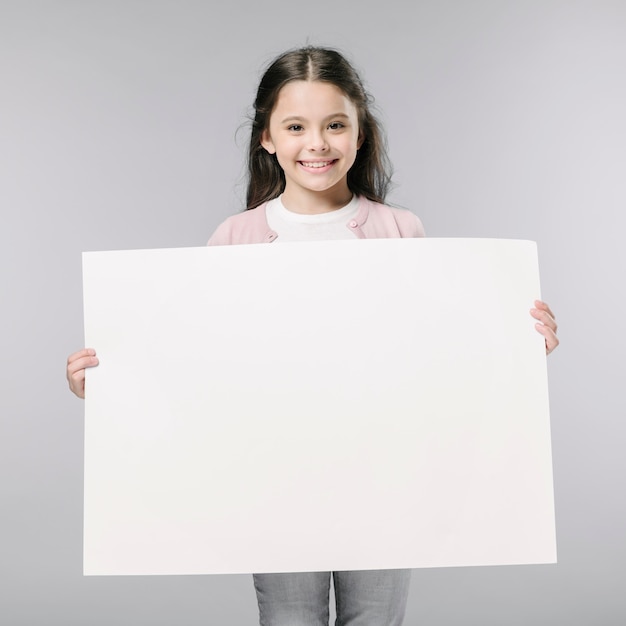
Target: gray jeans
x=363 y=598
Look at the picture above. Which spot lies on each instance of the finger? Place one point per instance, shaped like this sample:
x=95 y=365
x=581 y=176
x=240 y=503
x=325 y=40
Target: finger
x=81 y=363
x=75 y=372
x=545 y=318
x=81 y=353
x=551 y=340
x=540 y=304
x=77 y=383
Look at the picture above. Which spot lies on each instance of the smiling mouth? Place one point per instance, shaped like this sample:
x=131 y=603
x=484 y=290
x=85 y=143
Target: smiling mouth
x=316 y=164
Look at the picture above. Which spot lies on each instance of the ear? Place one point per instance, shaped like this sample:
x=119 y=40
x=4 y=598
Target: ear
x=266 y=142
x=360 y=140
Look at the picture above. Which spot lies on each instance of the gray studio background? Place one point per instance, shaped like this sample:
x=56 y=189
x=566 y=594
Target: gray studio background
x=118 y=129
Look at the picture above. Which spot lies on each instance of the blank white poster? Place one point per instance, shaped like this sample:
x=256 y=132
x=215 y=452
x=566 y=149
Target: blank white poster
x=316 y=406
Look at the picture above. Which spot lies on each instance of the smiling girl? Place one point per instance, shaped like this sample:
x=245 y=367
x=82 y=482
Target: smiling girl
x=318 y=170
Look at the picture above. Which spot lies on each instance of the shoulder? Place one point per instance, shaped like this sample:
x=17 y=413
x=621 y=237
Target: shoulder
x=383 y=220
x=247 y=227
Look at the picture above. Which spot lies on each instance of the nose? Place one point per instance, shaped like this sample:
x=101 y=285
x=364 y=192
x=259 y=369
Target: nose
x=317 y=142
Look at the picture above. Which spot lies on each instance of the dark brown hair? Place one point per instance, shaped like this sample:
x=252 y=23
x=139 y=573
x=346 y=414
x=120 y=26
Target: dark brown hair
x=370 y=176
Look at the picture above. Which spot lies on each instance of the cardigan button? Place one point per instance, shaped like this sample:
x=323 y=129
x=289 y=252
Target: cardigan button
x=353 y=224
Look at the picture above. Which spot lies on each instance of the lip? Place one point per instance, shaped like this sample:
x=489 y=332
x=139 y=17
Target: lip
x=316 y=168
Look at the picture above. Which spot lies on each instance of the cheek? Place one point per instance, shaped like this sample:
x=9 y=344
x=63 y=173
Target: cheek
x=352 y=142
x=284 y=151
x=286 y=156
x=350 y=149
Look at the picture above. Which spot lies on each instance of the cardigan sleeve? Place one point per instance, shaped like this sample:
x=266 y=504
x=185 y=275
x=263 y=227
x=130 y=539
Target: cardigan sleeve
x=408 y=223
x=222 y=235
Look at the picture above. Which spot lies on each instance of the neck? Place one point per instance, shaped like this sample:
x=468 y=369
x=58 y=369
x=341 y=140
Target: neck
x=312 y=203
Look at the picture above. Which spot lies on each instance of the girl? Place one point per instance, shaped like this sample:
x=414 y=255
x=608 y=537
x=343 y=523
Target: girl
x=318 y=170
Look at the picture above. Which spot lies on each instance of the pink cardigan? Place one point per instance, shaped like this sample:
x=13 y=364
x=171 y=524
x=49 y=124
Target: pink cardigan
x=373 y=221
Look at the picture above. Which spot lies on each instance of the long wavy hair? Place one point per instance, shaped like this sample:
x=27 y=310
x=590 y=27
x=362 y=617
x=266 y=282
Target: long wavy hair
x=370 y=176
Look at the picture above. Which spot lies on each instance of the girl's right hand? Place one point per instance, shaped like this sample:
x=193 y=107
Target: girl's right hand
x=76 y=364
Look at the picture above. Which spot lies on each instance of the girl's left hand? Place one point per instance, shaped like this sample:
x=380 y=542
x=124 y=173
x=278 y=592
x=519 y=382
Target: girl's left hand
x=546 y=324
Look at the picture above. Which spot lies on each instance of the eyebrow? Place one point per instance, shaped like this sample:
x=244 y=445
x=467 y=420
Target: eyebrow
x=297 y=118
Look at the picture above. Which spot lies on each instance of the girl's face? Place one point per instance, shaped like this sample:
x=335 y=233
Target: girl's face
x=314 y=132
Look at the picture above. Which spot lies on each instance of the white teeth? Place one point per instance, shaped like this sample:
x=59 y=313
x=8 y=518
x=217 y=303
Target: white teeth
x=316 y=163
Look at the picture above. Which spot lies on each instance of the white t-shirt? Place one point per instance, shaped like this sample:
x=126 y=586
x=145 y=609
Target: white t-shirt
x=292 y=226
